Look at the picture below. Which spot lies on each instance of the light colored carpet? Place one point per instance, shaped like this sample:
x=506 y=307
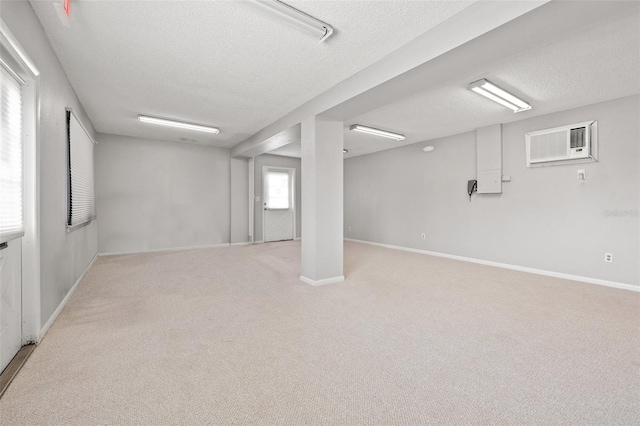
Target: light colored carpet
x=231 y=336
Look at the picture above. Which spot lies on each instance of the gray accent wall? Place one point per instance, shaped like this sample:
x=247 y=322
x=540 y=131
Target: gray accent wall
x=154 y=195
x=276 y=161
x=63 y=257
x=544 y=219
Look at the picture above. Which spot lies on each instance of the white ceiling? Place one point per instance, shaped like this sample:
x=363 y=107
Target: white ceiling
x=221 y=63
x=597 y=62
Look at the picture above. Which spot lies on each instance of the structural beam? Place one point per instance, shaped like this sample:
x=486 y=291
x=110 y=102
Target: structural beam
x=474 y=21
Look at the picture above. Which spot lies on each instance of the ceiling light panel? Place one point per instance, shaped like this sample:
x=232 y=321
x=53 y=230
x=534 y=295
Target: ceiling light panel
x=491 y=91
x=178 y=124
x=377 y=132
x=296 y=18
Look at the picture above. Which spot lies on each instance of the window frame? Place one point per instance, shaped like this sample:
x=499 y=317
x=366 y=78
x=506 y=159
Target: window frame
x=289 y=185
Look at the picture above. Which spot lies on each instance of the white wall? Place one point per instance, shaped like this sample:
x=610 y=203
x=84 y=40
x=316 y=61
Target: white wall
x=239 y=200
x=63 y=257
x=277 y=161
x=156 y=194
x=545 y=218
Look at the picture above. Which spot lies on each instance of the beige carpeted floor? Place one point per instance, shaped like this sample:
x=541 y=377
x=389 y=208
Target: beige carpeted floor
x=231 y=337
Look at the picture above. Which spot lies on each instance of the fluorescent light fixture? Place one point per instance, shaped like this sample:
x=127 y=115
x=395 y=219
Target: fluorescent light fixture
x=489 y=90
x=428 y=148
x=297 y=18
x=178 y=124
x=345 y=151
x=377 y=132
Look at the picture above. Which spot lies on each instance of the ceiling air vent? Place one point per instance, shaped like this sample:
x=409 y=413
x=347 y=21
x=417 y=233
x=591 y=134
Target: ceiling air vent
x=561 y=145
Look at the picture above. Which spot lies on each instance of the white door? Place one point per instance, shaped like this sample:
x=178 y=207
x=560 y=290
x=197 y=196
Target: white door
x=10 y=301
x=11 y=219
x=279 y=204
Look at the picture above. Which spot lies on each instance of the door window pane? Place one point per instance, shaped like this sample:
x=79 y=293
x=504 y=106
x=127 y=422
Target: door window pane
x=278 y=190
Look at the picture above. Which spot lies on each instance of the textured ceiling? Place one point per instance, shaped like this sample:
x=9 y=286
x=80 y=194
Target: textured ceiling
x=598 y=62
x=222 y=63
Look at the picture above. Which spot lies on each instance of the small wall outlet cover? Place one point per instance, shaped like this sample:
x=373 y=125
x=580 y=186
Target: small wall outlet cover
x=424 y=236
x=608 y=257
x=582 y=175
x=349 y=228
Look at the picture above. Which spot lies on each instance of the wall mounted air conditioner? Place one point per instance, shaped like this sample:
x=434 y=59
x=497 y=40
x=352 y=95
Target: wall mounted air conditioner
x=574 y=143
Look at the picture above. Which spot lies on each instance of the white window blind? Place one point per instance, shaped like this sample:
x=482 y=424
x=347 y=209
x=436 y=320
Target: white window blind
x=11 y=223
x=81 y=198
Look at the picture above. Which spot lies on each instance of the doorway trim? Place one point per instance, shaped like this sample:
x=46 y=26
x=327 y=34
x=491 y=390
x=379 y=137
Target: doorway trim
x=292 y=188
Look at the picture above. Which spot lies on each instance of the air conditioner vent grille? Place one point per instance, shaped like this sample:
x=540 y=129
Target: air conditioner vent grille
x=578 y=137
x=548 y=146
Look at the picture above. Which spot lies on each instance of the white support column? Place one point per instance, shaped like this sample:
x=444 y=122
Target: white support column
x=322 y=201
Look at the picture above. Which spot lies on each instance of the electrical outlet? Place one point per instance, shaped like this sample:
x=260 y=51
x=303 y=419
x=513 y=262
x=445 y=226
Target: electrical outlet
x=349 y=228
x=424 y=236
x=608 y=257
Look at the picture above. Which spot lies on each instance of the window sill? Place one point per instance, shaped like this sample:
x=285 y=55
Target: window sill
x=12 y=235
x=71 y=228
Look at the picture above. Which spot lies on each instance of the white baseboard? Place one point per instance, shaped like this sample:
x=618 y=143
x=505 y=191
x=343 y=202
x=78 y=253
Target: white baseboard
x=322 y=282
x=116 y=253
x=507 y=266
x=246 y=243
x=54 y=316
x=261 y=242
